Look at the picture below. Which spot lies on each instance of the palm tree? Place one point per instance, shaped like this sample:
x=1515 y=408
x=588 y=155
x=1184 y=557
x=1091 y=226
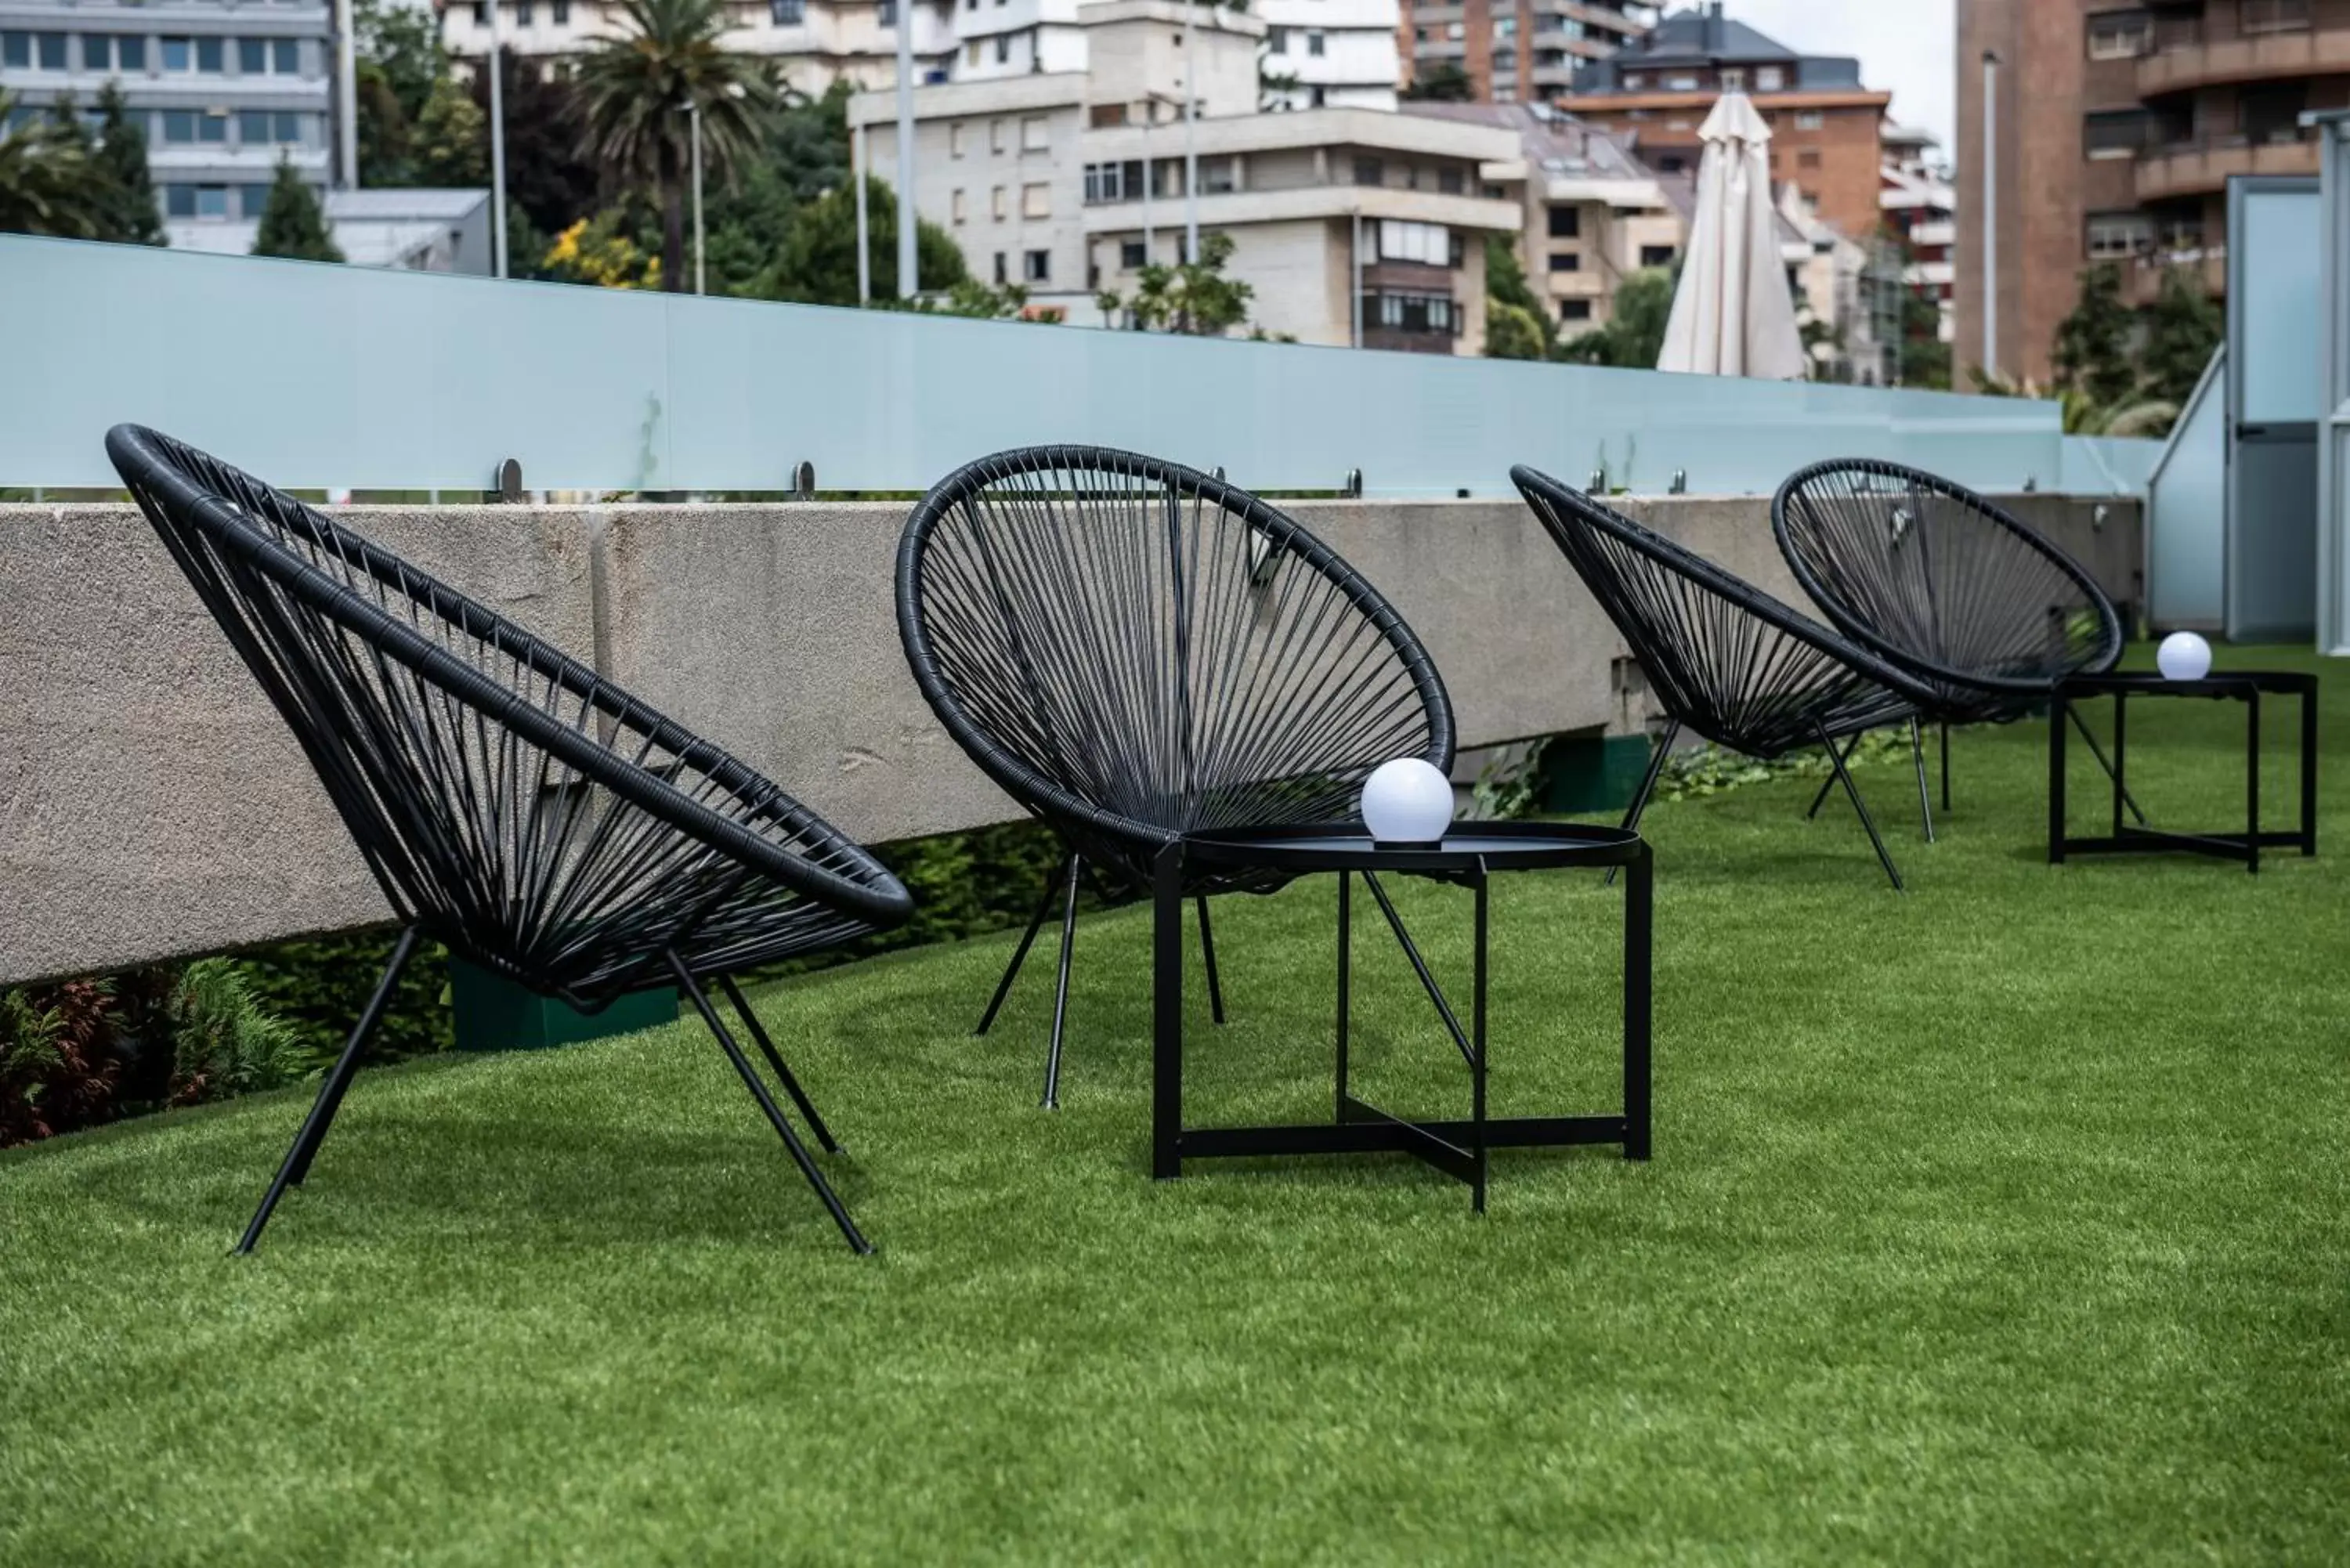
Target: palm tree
x=635 y=89
x=47 y=183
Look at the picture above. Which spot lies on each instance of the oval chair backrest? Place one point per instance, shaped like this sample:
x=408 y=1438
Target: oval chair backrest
x=500 y=791
x=1123 y=642
x=1932 y=575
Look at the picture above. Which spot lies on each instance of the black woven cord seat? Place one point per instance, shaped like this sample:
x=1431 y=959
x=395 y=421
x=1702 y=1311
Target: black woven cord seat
x=1135 y=651
x=1723 y=658
x=511 y=803
x=1982 y=608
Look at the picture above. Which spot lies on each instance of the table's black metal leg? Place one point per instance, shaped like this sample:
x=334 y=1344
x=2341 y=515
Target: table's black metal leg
x=2121 y=739
x=1639 y=904
x=1208 y=954
x=1477 y=1065
x=2112 y=771
x=2252 y=781
x=2309 y=771
x=1167 y=1015
x=2057 y=780
x=1346 y=982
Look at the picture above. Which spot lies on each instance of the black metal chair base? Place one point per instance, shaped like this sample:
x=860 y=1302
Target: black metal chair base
x=1672 y=732
x=313 y=1133
x=1065 y=883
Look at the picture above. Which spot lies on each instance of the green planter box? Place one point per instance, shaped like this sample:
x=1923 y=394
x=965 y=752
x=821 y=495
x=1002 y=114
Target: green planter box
x=495 y=1014
x=1591 y=772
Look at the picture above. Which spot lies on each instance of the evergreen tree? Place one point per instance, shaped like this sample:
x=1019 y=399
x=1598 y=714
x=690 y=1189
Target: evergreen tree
x=449 y=145
x=44 y=179
x=816 y=263
x=1443 y=82
x=134 y=216
x=400 y=61
x=1194 y=299
x=1516 y=325
x=293 y=224
x=2183 y=328
x=2092 y=357
x=1635 y=334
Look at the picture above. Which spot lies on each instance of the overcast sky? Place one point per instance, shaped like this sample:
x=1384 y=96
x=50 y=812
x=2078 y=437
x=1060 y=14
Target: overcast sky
x=1905 y=48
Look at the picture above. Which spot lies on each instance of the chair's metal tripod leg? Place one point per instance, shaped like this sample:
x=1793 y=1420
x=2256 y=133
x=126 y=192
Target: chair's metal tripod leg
x=1851 y=746
x=1061 y=989
x=1918 y=756
x=1946 y=767
x=1020 y=953
x=776 y=1060
x=2104 y=762
x=750 y=1076
x=1208 y=952
x=1859 y=806
x=296 y=1164
x=1648 y=784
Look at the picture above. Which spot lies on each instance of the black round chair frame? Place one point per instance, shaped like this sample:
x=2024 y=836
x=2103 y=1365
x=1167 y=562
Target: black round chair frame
x=547 y=827
x=1195 y=568
x=1724 y=659
x=1812 y=499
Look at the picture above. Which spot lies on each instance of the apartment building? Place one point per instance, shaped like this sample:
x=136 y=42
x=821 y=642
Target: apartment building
x=1591 y=213
x=1071 y=183
x=1516 y=51
x=1330 y=53
x=813 y=42
x=1825 y=125
x=222 y=90
x=2119 y=127
x=1919 y=204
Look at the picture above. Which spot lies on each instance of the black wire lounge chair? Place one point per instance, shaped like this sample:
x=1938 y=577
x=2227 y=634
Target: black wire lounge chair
x=511 y=803
x=1135 y=651
x=1985 y=612
x=1723 y=658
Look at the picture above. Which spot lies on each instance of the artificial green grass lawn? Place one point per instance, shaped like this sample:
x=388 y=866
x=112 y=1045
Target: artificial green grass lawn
x=2003 y=1221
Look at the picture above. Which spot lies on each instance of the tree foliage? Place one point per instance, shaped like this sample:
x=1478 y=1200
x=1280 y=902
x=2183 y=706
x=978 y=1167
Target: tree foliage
x=1635 y=334
x=47 y=183
x=1194 y=297
x=2183 y=328
x=2093 y=355
x=634 y=86
x=399 y=61
x=816 y=262
x=133 y=216
x=1443 y=82
x=1517 y=326
x=293 y=224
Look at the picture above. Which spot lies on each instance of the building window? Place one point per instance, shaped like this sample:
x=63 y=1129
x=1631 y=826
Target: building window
x=1109 y=116
x=1565 y=261
x=2116 y=234
x=1132 y=257
x=212 y=201
x=1769 y=79
x=1314 y=45
x=2271 y=16
x=252 y=201
x=1105 y=182
x=954 y=139
x=885 y=14
x=1634 y=81
x=94 y=52
x=1450 y=182
x=1430 y=314
x=1002 y=48
x=1671 y=163
x=1036 y=134
x=1809 y=158
x=1036 y=200
x=1429 y=244
x=971 y=53
x=1001 y=276
x=997 y=207
x=52 y=50
x=2120 y=34
x=561 y=12
x=1566 y=222
x=179 y=201
x=1656 y=255
x=2116 y=135
x=177 y=58
x=1220 y=176
x=1575 y=310
x=1370 y=171
x=179 y=126
x=960 y=213
x=1810 y=119
x=17 y=50
x=130 y=54
x=787 y=13
x=253 y=127
x=252 y=56
x=1733 y=80
x=1037 y=266
x=1680 y=84
x=2271 y=113
x=1276 y=40
x=995 y=136
x=211 y=56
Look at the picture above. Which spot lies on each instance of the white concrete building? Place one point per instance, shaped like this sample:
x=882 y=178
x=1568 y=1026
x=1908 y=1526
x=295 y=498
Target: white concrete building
x=417 y=230
x=1333 y=54
x=1920 y=204
x=816 y=42
x=1070 y=184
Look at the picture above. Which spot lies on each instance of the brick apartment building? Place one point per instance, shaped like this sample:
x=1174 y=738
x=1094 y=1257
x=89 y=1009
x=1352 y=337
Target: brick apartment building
x=1826 y=128
x=1515 y=51
x=2118 y=126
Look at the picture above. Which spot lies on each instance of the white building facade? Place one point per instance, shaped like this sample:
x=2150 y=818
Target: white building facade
x=1330 y=53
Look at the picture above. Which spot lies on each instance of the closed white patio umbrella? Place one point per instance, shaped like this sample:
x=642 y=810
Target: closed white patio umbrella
x=1734 y=314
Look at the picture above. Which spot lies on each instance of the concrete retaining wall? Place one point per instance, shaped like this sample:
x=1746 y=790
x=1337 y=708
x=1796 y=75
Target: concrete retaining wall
x=152 y=805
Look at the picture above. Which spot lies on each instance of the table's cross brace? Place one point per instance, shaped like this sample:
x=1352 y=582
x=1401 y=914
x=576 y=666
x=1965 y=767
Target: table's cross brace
x=1470 y=1051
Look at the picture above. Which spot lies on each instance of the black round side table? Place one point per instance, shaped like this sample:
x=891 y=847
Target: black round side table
x=1469 y=856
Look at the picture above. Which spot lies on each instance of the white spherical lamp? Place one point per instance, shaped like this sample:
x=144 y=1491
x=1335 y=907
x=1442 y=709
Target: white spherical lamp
x=1407 y=800
x=2183 y=656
